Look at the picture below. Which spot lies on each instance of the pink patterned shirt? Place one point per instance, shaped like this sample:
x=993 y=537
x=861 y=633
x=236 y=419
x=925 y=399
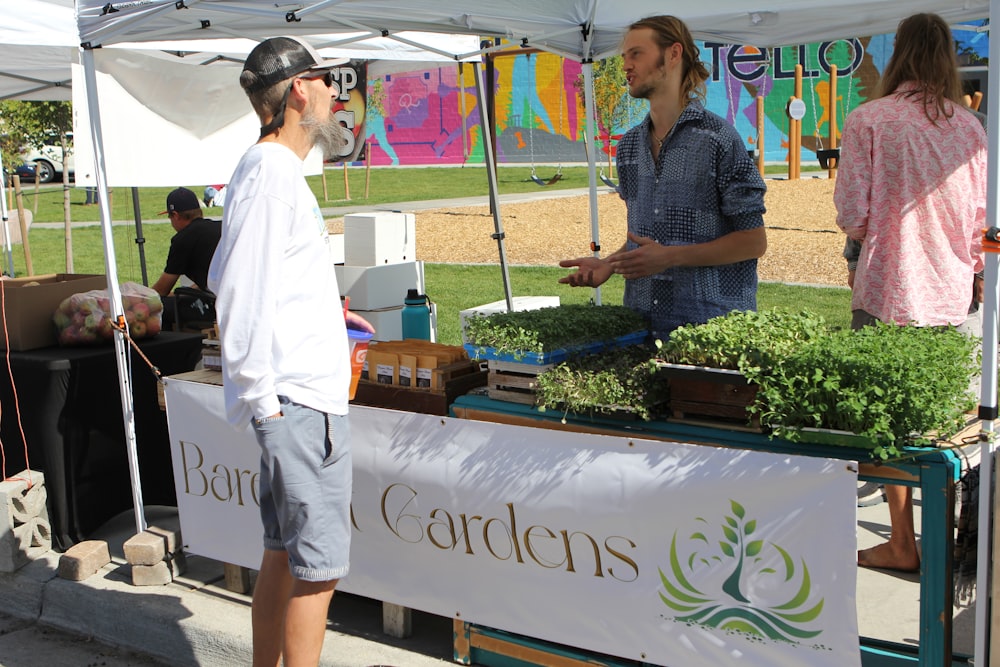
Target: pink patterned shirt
x=914 y=193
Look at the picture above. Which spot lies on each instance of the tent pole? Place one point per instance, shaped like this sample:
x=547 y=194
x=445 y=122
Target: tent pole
x=491 y=173
x=140 y=240
x=5 y=220
x=595 y=225
x=988 y=399
x=114 y=292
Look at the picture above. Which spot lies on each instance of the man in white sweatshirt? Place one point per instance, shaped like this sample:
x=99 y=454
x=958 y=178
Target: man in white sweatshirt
x=285 y=359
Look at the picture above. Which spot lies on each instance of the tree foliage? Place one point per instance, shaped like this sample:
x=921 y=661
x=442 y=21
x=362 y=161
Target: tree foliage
x=31 y=123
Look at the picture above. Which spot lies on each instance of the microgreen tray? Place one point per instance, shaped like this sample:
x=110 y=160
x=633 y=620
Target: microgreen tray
x=555 y=356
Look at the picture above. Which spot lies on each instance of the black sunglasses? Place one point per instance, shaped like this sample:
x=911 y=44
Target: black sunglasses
x=327 y=78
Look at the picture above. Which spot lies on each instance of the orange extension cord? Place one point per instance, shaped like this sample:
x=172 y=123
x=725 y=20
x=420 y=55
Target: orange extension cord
x=17 y=405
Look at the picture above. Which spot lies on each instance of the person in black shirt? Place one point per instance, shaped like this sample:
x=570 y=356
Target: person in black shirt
x=191 y=248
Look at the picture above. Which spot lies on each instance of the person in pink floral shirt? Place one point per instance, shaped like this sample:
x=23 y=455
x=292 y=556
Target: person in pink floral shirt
x=912 y=189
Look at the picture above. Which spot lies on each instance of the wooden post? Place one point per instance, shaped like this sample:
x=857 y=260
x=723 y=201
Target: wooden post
x=368 y=168
x=326 y=191
x=977 y=99
x=38 y=187
x=23 y=222
x=397 y=620
x=760 y=134
x=832 y=164
x=347 y=185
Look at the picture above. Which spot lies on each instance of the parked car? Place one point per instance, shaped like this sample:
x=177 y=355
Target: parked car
x=48 y=159
x=26 y=171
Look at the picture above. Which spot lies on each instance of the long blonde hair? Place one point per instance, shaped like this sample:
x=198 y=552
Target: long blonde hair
x=670 y=30
x=924 y=53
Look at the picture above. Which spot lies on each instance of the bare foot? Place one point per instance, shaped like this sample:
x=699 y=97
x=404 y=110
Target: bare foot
x=884 y=557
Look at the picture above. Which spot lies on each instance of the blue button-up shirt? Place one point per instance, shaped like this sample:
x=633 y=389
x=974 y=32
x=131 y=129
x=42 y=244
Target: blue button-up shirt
x=703 y=186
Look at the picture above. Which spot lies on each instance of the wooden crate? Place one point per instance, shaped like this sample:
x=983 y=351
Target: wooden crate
x=698 y=393
x=514 y=382
x=457 y=378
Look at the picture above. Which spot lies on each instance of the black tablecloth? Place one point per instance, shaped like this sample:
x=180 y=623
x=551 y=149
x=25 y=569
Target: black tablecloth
x=70 y=406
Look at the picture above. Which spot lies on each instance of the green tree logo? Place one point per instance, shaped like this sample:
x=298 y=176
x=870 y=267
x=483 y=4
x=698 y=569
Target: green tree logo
x=732 y=608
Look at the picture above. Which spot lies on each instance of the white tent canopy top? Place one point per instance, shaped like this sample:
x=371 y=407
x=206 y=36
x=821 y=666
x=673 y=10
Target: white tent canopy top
x=39 y=39
x=579 y=29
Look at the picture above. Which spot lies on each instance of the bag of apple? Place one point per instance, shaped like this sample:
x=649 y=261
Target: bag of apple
x=85 y=318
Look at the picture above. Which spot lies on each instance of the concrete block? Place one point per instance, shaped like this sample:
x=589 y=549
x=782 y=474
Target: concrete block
x=84 y=559
x=145 y=548
x=159 y=574
x=152 y=575
x=25 y=533
x=171 y=533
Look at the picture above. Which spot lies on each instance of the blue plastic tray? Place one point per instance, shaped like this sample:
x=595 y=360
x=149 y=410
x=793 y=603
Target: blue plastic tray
x=555 y=356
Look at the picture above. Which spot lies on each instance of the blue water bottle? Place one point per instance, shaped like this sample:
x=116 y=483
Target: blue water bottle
x=416 y=316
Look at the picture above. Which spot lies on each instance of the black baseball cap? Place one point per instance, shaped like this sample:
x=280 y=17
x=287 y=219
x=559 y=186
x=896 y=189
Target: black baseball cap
x=181 y=199
x=280 y=58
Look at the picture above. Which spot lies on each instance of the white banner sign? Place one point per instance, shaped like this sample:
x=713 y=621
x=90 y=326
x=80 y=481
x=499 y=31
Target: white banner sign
x=661 y=552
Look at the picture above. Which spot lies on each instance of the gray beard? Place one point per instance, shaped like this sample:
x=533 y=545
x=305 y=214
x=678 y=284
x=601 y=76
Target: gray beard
x=328 y=135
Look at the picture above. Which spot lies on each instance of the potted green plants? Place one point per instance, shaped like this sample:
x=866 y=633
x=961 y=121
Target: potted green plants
x=707 y=364
x=893 y=386
x=884 y=387
x=621 y=385
x=550 y=335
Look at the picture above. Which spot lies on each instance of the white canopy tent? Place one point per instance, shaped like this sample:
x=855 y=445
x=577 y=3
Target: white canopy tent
x=583 y=30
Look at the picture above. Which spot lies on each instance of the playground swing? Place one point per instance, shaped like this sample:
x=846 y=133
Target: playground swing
x=531 y=141
x=630 y=104
x=824 y=155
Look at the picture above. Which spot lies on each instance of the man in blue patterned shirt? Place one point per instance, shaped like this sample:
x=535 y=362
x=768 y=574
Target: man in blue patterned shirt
x=694 y=197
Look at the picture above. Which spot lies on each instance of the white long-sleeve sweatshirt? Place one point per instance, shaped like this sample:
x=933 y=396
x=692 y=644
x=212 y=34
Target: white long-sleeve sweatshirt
x=280 y=318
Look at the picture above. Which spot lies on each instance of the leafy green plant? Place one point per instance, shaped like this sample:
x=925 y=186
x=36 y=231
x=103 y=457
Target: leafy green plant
x=742 y=340
x=604 y=384
x=890 y=384
x=547 y=329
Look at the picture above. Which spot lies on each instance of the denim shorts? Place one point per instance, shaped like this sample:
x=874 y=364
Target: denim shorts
x=305 y=489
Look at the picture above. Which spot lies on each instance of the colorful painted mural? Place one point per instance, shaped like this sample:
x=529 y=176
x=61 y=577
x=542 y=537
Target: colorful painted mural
x=431 y=116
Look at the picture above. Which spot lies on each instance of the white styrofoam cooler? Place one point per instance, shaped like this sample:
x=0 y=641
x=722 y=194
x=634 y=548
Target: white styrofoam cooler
x=376 y=239
x=519 y=302
x=337 y=248
x=375 y=287
x=388 y=322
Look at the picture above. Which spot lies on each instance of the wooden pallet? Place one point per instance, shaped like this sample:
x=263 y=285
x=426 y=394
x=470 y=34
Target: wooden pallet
x=514 y=382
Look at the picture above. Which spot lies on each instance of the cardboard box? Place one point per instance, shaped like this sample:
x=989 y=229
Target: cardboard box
x=376 y=239
x=30 y=303
x=520 y=303
x=376 y=287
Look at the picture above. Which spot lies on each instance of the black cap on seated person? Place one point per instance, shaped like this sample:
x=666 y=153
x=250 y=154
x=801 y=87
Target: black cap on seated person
x=181 y=199
x=280 y=58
